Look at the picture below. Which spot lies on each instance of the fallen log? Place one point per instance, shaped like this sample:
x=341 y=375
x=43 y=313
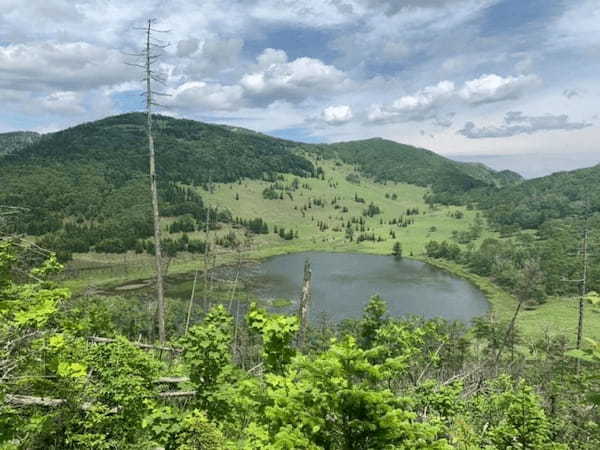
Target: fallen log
x=103 y=340
x=170 y=394
x=173 y=380
x=29 y=400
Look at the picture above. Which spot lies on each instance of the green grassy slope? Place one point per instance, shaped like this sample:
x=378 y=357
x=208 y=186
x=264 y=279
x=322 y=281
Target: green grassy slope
x=387 y=160
x=287 y=213
x=245 y=200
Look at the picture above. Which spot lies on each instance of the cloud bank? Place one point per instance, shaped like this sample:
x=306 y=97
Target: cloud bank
x=515 y=123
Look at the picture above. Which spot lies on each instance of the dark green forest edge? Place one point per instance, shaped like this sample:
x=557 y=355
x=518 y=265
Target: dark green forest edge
x=240 y=377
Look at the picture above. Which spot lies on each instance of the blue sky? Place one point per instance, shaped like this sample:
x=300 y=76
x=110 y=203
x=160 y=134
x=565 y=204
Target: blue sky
x=511 y=82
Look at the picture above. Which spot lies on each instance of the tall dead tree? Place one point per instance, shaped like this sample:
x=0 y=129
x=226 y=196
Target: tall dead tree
x=584 y=254
x=304 y=304
x=191 y=303
x=530 y=276
x=206 y=251
x=150 y=55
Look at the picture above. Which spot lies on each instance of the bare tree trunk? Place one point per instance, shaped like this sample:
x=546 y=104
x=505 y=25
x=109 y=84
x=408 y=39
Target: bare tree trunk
x=582 y=297
x=206 y=260
x=511 y=326
x=235 y=281
x=304 y=304
x=583 y=289
x=153 y=187
x=529 y=274
x=191 y=304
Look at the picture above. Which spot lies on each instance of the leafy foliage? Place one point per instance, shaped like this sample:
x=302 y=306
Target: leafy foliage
x=277 y=334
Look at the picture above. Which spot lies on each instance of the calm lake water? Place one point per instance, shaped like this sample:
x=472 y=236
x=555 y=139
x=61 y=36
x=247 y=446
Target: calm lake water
x=343 y=283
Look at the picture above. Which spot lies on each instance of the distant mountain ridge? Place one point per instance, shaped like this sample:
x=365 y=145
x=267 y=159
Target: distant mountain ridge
x=98 y=170
x=388 y=160
x=191 y=152
x=529 y=204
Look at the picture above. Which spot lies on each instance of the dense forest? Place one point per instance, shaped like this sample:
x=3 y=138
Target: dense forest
x=543 y=222
x=234 y=381
x=535 y=202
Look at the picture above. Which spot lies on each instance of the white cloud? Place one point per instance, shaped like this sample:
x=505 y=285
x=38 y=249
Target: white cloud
x=70 y=66
x=516 y=123
x=276 y=78
x=429 y=102
x=395 y=51
x=270 y=56
x=337 y=114
x=420 y=106
x=273 y=78
x=311 y=13
x=187 y=47
x=577 y=27
x=200 y=95
x=215 y=55
x=64 y=102
x=493 y=88
x=393 y=7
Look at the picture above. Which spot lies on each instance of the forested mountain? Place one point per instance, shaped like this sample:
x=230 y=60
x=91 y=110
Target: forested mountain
x=388 y=160
x=189 y=151
x=533 y=202
x=9 y=142
x=87 y=185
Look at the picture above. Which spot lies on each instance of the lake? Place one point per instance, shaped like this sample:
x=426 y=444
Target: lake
x=342 y=284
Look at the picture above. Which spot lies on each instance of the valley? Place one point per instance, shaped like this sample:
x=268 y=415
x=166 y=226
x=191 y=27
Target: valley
x=299 y=225
x=424 y=271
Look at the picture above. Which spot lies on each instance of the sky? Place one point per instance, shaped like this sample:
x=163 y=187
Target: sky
x=511 y=83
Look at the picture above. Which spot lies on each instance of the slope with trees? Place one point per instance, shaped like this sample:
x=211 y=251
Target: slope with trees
x=386 y=160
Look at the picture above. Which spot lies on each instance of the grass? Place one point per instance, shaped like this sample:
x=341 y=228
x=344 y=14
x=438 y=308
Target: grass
x=429 y=224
